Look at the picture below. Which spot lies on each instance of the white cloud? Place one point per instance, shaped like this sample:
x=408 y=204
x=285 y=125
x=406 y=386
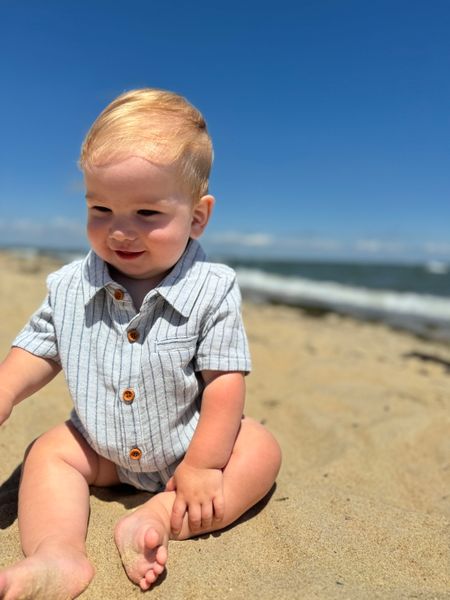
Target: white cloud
x=58 y=232
x=374 y=246
x=316 y=246
x=252 y=240
x=270 y=241
x=437 y=248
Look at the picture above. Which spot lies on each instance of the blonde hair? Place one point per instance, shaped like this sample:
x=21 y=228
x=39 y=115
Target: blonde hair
x=160 y=126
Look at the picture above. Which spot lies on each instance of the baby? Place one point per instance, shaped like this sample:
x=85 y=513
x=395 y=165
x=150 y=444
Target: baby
x=150 y=339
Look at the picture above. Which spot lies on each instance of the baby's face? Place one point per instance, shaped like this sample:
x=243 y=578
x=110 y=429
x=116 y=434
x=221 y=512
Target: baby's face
x=140 y=218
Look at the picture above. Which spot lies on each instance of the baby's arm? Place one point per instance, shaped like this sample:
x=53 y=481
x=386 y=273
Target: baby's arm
x=22 y=374
x=198 y=478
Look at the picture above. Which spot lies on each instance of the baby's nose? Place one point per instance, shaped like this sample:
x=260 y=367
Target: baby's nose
x=122 y=232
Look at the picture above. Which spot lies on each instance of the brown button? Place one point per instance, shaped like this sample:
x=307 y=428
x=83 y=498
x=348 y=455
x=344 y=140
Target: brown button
x=135 y=454
x=128 y=395
x=118 y=294
x=133 y=336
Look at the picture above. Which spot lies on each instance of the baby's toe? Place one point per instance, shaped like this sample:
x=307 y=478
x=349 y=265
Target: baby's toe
x=144 y=584
x=158 y=569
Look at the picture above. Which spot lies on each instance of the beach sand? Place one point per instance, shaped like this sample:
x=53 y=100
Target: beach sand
x=361 y=508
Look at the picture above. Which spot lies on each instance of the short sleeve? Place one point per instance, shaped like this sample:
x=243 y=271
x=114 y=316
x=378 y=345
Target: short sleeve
x=222 y=344
x=38 y=336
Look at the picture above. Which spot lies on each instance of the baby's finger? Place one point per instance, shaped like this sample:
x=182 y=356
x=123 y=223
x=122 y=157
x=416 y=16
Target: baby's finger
x=207 y=515
x=177 y=516
x=170 y=485
x=219 y=508
x=195 y=517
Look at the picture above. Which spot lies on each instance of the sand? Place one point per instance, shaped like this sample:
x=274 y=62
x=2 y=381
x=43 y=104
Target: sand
x=361 y=508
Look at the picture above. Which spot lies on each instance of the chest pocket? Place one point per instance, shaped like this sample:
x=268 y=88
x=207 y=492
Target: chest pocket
x=181 y=350
x=179 y=343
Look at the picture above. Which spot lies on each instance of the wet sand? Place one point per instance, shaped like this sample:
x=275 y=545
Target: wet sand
x=361 y=508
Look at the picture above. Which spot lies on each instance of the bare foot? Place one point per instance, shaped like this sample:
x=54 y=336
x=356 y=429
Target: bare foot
x=46 y=575
x=142 y=539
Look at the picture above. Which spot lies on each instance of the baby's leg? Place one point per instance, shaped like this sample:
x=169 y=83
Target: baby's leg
x=53 y=516
x=142 y=537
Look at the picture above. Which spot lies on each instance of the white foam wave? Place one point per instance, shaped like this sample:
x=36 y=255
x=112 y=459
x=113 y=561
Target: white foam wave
x=437 y=267
x=335 y=296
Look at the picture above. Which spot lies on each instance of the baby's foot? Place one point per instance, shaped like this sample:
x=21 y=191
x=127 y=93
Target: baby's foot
x=142 y=539
x=46 y=575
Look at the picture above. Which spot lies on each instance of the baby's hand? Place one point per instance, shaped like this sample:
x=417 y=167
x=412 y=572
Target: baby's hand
x=199 y=492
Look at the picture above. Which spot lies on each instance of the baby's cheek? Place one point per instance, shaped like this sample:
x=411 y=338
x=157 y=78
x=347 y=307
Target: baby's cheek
x=97 y=227
x=160 y=236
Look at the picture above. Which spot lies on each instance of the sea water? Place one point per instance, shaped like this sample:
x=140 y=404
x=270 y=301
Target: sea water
x=415 y=297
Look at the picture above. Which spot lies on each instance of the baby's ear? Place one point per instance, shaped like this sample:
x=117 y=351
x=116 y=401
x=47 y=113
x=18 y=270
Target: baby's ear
x=201 y=214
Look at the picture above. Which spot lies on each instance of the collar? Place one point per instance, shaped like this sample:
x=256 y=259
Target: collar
x=95 y=276
x=179 y=288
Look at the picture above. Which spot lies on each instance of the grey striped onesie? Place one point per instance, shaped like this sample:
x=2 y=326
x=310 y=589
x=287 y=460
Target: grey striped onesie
x=134 y=376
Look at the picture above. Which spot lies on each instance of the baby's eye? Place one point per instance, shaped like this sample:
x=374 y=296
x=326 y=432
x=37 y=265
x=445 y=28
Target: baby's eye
x=103 y=209
x=147 y=213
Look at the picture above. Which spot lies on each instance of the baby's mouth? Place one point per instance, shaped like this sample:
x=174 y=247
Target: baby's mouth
x=126 y=255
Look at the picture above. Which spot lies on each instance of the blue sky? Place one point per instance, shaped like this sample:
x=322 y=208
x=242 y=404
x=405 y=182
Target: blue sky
x=330 y=118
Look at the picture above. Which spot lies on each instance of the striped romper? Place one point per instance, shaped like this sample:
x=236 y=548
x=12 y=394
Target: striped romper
x=134 y=377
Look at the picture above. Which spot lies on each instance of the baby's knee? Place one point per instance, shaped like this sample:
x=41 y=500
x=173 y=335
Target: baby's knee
x=264 y=444
x=64 y=446
x=272 y=451
x=43 y=444
x=38 y=455
x=58 y=443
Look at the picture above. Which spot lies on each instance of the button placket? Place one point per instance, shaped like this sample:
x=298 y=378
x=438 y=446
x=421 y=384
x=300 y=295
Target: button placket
x=130 y=413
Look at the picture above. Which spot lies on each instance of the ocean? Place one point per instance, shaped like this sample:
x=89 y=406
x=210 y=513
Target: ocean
x=415 y=297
